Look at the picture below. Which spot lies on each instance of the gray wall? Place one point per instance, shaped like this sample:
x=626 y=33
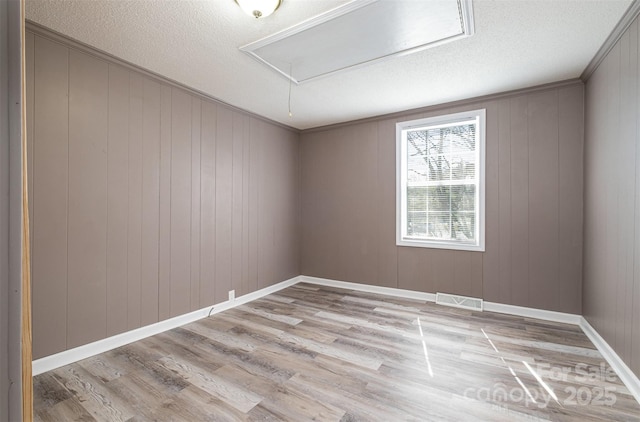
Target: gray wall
x=10 y=211
x=148 y=201
x=533 y=204
x=611 y=301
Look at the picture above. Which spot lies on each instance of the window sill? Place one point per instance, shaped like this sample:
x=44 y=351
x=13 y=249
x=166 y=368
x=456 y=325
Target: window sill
x=440 y=245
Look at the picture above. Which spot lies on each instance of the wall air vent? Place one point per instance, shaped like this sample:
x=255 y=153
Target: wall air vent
x=361 y=32
x=465 y=302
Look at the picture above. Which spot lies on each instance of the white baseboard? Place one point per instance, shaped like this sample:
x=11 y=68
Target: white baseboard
x=66 y=357
x=431 y=297
x=389 y=291
x=628 y=378
x=532 y=313
x=82 y=352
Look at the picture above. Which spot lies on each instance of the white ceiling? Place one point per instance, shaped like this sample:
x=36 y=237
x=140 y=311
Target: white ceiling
x=517 y=44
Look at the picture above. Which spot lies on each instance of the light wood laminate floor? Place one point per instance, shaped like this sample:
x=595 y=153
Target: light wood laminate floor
x=327 y=354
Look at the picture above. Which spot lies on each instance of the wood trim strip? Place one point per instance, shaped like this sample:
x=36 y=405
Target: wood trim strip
x=627 y=19
x=27 y=378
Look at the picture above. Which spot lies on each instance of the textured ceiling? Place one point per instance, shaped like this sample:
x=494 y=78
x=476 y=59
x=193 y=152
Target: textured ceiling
x=517 y=44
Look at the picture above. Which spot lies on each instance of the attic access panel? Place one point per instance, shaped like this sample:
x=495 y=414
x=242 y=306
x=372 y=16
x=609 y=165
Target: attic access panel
x=362 y=32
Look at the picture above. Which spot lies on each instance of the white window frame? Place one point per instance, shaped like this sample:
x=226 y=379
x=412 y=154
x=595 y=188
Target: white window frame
x=401 y=181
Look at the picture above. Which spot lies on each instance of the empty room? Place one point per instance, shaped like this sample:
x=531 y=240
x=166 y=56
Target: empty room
x=330 y=210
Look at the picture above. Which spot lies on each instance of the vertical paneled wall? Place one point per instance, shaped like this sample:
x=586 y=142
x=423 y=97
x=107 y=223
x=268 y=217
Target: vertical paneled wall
x=147 y=201
x=612 y=199
x=534 y=180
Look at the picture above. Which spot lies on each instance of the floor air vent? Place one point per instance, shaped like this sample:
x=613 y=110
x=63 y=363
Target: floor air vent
x=465 y=302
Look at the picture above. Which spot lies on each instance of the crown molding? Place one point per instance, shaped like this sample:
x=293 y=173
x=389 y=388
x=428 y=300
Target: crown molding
x=43 y=31
x=625 y=22
x=471 y=102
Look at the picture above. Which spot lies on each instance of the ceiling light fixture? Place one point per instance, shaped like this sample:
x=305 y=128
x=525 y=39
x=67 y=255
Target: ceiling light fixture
x=361 y=32
x=259 y=8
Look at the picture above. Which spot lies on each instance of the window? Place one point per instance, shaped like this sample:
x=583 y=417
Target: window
x=440 y=181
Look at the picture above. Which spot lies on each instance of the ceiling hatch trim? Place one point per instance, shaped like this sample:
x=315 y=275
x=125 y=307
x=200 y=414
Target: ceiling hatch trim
x=359 y=33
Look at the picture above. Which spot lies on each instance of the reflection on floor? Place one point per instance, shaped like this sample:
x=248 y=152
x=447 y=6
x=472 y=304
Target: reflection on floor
x=319 y=353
